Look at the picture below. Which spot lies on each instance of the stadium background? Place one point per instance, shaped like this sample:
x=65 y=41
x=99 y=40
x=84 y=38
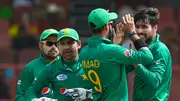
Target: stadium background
x=22 y=21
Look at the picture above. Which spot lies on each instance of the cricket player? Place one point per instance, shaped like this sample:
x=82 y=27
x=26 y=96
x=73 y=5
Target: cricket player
x=103 y=62
x=153 y=80
x=49 y=53
x=65 y=75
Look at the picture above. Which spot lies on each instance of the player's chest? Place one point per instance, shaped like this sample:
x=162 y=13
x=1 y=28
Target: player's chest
x=37 y=70
x=66 y=79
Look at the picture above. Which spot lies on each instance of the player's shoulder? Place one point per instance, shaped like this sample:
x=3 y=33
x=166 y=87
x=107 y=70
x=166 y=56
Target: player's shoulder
x=112 y=47
x=160 y=50
x=84 y=49
x=55 y=63
x=161 y=47
x=32 y=63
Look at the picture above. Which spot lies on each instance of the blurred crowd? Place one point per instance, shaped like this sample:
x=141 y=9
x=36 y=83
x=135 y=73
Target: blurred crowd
x=26 y=19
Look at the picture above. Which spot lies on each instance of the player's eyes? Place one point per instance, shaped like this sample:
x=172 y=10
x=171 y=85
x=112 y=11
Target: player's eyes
x=70 y=42
x=49 y=43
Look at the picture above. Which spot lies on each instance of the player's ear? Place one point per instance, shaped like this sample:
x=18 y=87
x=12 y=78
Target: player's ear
x=79 y=44
x=155 y=27
x=106 y=27
x=40 y=46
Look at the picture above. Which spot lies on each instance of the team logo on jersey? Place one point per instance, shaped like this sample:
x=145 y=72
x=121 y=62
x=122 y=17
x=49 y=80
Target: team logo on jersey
x=46 y=91
x=127 y=53
x=61 y=77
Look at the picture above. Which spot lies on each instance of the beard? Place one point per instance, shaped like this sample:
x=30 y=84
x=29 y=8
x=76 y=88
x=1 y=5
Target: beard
x=146 y=38
x=50 y=52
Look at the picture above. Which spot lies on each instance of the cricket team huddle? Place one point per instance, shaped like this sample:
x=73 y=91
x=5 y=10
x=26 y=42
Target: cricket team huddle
x=99 y=71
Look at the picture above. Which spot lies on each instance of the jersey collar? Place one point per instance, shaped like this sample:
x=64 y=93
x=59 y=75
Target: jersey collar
x=156 y=39
x=71 y=66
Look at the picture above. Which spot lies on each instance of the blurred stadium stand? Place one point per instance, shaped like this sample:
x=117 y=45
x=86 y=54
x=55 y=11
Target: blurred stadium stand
x=73 y=13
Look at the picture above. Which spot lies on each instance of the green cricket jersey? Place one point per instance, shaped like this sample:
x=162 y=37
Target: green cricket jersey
x=27 y=77
x=59 y=74
x=103 y=64
x=152 y=81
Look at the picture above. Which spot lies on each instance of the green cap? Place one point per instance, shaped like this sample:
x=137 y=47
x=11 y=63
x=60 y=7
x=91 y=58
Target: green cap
x=100 y=17
x=47 y=33
x=68 y=32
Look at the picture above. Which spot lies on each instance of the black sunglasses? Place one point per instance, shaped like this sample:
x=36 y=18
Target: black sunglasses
x=50 y=43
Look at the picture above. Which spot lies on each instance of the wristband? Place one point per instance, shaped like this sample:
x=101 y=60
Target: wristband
x=139 y=43
x=131 y=34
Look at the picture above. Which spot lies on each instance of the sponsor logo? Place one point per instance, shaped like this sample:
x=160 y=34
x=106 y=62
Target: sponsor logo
x=46 y=91
x=61 y=77
x=62 y=90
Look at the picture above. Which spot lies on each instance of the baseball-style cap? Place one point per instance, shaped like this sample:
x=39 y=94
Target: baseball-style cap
x=68 y=32
x=47 y=33
x=100 y=17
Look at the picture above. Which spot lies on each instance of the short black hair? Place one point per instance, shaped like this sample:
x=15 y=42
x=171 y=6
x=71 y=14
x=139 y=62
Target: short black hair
x=96 y=31
x=150 y=14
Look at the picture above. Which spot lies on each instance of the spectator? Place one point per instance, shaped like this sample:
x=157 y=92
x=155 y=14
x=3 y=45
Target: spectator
x=22 y=3
x=54 y=13
x=25 y=3
x=123 y=11
x=23 y=35
x=140 y=7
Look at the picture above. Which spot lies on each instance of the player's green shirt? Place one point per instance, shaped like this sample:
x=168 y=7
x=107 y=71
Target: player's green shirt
x=152 y=81
x=59 y=74
x=103 y=64
x=31 y=70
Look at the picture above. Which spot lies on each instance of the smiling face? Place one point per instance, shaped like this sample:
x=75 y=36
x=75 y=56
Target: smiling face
x=145 y=30
x=146 y=22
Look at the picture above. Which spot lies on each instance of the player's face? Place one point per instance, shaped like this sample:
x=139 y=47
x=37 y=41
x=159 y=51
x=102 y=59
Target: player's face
x=69 y=48
x=49 y=47
x=145 y=30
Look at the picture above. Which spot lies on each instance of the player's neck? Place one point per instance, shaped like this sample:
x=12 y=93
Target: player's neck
x=102 y=35
x=149 y=41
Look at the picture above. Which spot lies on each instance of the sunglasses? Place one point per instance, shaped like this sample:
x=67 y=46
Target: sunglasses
x=50 y=43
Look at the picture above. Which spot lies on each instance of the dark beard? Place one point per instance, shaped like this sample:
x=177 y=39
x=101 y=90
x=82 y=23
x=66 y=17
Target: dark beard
x=148 y=41
x=49 y=57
